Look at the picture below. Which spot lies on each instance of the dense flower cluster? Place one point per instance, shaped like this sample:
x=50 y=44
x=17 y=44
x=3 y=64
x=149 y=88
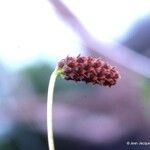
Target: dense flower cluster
x=89 y=70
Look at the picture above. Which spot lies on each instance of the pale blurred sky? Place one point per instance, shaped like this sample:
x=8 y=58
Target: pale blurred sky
x=31 y=30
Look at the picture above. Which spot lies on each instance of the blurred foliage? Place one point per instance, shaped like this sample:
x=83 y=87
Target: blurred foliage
x=39 y=74
x=146 y=90
x=25 y=138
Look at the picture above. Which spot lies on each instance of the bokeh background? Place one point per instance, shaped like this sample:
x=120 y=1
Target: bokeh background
x=35 y=35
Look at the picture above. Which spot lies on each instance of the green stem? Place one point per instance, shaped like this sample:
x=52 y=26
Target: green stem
x=50 y=109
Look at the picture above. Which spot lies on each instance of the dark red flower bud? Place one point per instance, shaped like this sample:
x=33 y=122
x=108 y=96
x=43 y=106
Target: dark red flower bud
x=89 y=70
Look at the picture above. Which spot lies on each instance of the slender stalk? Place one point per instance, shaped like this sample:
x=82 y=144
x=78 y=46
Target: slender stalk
x=50 y=109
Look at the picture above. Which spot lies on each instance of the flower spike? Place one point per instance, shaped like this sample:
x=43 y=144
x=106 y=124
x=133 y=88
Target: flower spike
x=88 y=69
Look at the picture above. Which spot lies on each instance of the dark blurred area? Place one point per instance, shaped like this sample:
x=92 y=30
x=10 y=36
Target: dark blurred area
x=85 y=116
